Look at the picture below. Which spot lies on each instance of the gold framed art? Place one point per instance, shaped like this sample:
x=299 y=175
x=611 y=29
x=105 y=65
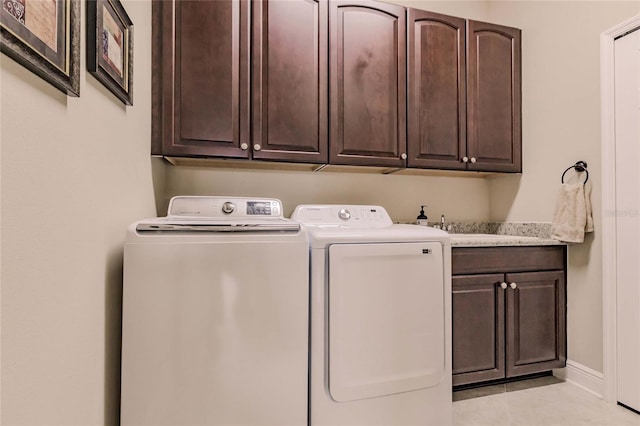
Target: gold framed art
x=110 y=47
x=44 y=37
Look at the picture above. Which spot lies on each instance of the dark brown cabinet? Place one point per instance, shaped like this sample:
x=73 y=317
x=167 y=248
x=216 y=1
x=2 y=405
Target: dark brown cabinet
x=367 y=89
x=510 y=323
x=340 y=82
x=436 y=70
x=204 y=59
x=200 y=78
x=494 y=91
x=289 y=63
x=464 y=107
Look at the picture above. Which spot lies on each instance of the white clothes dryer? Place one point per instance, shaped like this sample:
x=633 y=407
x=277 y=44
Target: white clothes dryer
x=380 y=319
x=215 y=326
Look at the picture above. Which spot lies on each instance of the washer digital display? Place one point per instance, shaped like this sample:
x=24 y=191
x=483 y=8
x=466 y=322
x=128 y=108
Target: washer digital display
x=259 y=208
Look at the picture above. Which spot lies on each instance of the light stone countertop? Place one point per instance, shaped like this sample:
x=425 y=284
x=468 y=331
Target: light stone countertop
x=494 y=240
x=495 y=234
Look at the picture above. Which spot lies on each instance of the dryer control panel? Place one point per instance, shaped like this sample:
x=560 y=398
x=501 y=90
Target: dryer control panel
x=343 y=215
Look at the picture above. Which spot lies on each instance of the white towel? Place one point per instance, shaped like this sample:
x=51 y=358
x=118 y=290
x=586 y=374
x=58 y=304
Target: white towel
x=573 y=214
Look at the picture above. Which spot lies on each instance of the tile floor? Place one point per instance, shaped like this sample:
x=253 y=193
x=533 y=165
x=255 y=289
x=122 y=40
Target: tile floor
x=543 y=401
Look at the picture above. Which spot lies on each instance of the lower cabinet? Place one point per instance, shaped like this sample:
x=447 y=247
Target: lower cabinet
x=509 y=311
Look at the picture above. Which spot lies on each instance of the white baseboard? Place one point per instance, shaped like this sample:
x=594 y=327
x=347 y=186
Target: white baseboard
x=582 y=376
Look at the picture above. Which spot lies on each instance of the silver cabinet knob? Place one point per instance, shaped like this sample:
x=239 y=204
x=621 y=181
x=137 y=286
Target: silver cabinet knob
x=228 y=207
x=503 y=285
x=257 y=147
x=344 y=214
x=244 y=146
x=465 y=159
x=473 y=159
x=403 y=156
x=513 y=285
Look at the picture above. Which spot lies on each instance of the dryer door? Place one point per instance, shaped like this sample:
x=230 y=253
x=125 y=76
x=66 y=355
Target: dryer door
x=386 y=318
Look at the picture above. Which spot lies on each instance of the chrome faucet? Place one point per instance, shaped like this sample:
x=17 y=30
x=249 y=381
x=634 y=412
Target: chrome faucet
x=442 y=223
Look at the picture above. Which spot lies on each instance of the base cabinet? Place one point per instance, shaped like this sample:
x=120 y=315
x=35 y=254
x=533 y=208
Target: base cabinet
x=510 y=323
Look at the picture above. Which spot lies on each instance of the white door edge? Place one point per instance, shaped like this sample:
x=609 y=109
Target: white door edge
x=608 y=183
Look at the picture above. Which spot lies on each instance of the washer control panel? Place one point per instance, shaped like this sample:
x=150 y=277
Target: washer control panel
x=354 y=216
x=224 y=207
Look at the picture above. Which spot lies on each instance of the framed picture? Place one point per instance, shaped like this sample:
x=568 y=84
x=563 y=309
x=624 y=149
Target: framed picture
x=110 y=47
x=44 y=37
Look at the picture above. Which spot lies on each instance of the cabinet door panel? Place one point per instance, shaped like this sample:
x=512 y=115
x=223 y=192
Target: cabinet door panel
x=367 y=83
x=204 y=78
x=436 y=115
x=290 y=52
x=477 y=328
x=494 y=134
x=536 y=323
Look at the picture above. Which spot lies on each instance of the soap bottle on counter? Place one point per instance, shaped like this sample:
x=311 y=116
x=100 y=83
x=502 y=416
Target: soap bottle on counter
x=422 y=218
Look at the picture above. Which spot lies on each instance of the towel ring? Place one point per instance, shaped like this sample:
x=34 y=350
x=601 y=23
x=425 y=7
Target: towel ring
x=580 y=166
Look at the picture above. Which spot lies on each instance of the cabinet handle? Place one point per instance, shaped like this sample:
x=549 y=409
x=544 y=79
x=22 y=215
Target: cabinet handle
x=503 y=285
x=465 y=159
x=403 y=156
x=244 y=146
x=473 y=159
x=257 y=147
x=513 y=285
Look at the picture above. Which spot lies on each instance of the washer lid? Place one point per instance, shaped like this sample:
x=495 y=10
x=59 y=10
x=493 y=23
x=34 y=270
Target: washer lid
x=173 y=224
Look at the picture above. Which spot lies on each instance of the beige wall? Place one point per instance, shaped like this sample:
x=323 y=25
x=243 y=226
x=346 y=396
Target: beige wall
x=74 y=173
x=561 y=125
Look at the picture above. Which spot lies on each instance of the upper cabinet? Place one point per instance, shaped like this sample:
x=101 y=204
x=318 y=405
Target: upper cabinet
x=335 y=82
x=436 y=116
x=464 y=106
x=494 y=130
x=367 y=83
x=201 y=78
x=289 y=63
x=203 y=61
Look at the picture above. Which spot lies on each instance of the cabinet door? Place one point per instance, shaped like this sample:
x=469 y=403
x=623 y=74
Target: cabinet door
x=494 y=136
x=436 y=115
x=201 y=84
x=367 y=83
x=290 y=53
x=536 y=322
x=477 y=328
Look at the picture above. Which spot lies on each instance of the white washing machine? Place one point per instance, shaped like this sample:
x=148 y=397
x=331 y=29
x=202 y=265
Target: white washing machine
x=215 y=316
x=380 y=319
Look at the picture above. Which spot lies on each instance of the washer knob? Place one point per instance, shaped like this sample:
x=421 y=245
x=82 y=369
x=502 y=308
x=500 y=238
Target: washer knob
x=344 y=214
x=228 y=207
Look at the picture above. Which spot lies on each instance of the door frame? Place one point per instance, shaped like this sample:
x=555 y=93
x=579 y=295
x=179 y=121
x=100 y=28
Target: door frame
x=608 y=182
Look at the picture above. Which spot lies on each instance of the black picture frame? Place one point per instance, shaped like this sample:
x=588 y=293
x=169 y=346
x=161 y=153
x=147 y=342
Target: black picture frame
x=110 y=47
x=48 y=45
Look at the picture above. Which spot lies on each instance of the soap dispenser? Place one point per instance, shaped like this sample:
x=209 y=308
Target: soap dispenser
x=422 y=218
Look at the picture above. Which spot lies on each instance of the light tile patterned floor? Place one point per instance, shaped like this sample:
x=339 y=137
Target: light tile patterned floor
x=556 y=404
